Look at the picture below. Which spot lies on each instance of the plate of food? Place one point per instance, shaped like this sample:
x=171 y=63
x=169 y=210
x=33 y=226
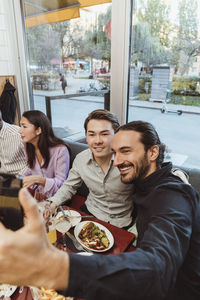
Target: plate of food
x=74 y=217
x=94 y=236
x=6 y=290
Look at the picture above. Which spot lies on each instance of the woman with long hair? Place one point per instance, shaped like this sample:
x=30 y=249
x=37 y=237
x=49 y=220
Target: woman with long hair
x=48 y=157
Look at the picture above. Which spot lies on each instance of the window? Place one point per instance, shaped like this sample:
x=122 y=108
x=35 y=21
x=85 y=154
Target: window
x=69 y=60
x=164 y=86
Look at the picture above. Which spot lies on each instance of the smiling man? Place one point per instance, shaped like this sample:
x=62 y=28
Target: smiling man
x=168 y=212
x=132 y=161
x=109 y=199
x=137 y=153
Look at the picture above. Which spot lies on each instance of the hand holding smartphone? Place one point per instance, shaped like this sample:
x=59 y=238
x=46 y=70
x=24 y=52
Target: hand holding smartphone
x=11 y=212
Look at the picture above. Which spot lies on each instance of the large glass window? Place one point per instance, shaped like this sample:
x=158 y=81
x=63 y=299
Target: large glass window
x=164 y=84
x=69 y=58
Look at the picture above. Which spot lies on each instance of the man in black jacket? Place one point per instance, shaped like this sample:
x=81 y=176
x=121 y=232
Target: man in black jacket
x=166 y=262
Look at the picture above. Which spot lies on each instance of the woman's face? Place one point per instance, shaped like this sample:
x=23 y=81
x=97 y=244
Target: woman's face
x=28 y=132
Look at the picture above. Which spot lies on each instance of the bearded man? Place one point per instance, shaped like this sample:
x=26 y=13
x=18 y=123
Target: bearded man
x=168 y=214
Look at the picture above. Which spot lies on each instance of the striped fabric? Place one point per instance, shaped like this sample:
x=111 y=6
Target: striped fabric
x=12 y=157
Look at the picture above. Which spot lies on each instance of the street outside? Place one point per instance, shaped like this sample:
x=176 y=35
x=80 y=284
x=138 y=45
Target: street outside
x=180 y=133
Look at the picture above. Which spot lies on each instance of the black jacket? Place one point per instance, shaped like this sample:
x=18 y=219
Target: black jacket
x=166 y=262
x=8 y=103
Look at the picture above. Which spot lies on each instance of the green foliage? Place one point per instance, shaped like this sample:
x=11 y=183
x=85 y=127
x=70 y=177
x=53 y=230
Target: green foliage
x=186 y=45
x=143 y=96
x=156 y=39
x=186 y=78
x=184 y=90
x=62 y=39
x=150 y=35
x=45 y=42
x=185 y=100
x=156 y=14
x=95 y=42
x=175 y=99
x=185 y=85
x=147 y=48
x=142 y=81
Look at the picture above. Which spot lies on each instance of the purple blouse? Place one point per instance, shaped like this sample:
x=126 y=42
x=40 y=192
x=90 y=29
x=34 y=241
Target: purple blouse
x=56 y=172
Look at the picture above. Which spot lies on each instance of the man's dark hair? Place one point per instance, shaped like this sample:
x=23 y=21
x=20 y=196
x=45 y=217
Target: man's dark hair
x=148 y=137
x=102 y=114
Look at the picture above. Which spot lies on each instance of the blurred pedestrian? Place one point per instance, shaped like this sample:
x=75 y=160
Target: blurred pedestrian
x=63 y=82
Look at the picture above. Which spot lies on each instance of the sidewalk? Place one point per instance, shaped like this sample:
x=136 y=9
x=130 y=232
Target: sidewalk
x=170 y=107
x=135 y=103
x=98 y=99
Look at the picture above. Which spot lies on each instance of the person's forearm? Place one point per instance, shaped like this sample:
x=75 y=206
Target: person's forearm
x=64 y=193
x=68 y=189
x=33 y=179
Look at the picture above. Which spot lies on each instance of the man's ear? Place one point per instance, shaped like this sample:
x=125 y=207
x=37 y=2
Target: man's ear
x=153 y=153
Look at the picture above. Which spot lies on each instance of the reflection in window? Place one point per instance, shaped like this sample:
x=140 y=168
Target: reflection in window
x=164 y=84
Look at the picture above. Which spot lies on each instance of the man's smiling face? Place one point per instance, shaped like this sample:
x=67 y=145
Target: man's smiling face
x=130 y=156
x=99 y=137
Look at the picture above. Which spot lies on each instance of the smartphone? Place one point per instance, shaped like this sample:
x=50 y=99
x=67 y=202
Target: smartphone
x=11 y=212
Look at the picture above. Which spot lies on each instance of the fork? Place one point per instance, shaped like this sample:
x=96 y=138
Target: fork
x=64 y=214
x=69 y=218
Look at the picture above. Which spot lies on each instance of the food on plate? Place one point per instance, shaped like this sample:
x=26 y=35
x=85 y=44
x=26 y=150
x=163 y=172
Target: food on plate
x=50 y=294
x=72 y=216
x=93 y=237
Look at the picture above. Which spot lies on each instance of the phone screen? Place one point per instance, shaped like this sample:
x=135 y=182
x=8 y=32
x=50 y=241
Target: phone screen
x=11 y=212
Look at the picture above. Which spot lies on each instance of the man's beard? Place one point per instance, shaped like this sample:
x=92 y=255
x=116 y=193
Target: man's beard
x=141 y=170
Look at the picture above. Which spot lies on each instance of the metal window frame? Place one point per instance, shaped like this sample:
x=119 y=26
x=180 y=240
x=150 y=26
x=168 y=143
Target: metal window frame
x=120 y=48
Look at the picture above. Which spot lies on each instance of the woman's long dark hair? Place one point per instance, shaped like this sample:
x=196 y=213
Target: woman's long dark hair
x=46 y=140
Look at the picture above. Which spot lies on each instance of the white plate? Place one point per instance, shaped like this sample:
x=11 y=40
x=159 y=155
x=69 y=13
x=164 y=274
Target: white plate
x=84 y=253
x=7 y=290
x=109 y=235
x=71 y=213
